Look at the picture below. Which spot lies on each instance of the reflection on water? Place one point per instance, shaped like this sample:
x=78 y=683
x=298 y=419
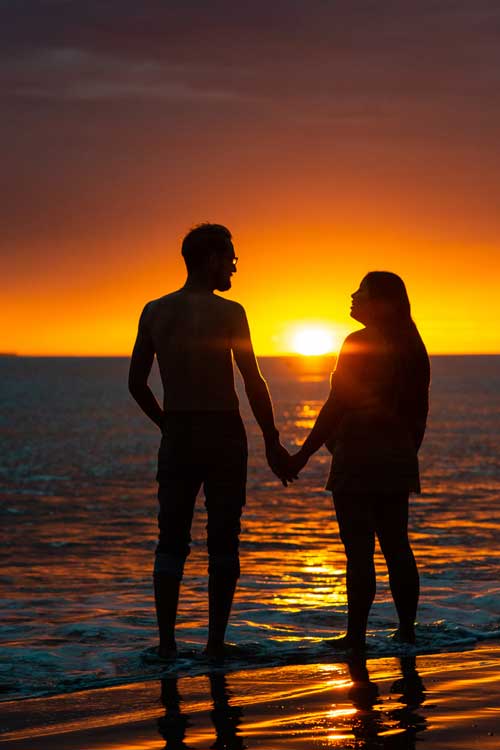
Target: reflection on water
x=78 y=523
x=225 y=718
x=401 y=723
x=382 y=704
x=172 y=726
x=347 y=712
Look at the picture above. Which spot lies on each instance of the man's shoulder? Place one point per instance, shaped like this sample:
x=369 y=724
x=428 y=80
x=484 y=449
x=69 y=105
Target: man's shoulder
x=166 y=299
x=229 y=305
x=160 y=302
x=176 y=302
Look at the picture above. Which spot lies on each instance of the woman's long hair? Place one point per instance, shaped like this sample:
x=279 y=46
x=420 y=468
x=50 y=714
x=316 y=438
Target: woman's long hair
x=412 y=369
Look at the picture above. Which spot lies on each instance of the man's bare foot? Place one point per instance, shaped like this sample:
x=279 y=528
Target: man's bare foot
x=347 y=643
x=167 y=652
x=215 y=651
x=406 y=635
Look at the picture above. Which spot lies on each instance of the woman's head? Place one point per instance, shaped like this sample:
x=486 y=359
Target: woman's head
x=381 y=299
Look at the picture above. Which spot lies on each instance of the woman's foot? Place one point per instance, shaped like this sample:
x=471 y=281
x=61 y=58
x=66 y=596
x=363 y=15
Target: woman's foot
x=167 y=651
x=347 y=643
x=215 y=650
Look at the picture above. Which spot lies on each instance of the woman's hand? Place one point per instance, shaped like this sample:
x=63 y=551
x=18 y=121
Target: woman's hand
x=297 y=462
x=285 y=466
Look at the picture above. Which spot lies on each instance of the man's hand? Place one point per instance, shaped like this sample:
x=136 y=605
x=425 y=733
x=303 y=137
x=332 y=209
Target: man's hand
x=278 y=459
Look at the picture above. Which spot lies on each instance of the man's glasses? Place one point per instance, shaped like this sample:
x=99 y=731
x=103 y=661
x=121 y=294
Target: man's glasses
x=233 y=260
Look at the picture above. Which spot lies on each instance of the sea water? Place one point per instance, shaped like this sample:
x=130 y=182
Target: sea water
x=78 y=528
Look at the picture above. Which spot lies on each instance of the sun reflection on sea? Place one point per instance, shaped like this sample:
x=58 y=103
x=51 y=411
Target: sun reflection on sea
x=306 y=416
x=80 y=502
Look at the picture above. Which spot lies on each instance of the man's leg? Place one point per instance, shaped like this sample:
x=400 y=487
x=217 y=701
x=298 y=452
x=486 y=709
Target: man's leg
x=223 y=530
x=225 y=487
x=391 y=523
x=177 y=497
x=356 y=528
x=221 y=588
x=166 y=589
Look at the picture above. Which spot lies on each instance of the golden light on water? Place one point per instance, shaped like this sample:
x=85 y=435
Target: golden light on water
x=314 y=340
x=335 y=712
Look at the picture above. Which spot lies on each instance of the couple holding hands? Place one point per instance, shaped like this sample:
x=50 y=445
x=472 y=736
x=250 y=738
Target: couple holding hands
x=373 y=423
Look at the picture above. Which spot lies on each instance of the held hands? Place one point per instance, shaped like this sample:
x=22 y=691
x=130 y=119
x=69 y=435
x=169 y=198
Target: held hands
x=297 y=462
x=278 y=459
x=281 y=463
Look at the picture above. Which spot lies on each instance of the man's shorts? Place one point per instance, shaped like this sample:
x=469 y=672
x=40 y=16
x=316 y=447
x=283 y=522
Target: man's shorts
x=197 y=449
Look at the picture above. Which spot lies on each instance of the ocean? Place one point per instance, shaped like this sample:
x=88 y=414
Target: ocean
x=78 y=529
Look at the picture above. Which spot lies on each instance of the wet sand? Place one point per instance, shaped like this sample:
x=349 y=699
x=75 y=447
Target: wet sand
x=447 y=700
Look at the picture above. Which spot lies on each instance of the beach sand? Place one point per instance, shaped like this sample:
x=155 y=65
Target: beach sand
x=448 y=700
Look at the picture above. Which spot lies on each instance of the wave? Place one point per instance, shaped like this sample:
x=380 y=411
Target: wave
x=35 y=672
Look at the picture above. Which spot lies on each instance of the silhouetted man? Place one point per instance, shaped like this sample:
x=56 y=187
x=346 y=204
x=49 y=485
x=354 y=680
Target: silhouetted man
x=195 y=334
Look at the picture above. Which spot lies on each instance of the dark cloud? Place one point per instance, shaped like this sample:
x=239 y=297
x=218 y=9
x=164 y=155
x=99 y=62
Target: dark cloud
x=303 y=49
x=101 y=95
x=401 y=61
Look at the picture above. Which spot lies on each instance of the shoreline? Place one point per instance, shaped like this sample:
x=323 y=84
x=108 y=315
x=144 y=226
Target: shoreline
x=451 y=700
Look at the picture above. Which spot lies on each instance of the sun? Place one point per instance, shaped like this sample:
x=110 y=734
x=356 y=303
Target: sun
x=311 y=340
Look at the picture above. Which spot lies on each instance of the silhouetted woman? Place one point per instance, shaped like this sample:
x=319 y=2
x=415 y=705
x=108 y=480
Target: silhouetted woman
x=373 y=423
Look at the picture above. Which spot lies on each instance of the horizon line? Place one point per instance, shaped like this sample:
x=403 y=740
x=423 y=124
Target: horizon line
x=7 y=355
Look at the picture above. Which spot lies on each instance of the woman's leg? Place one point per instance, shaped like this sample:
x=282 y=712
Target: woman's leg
x=356 y=526
x=391 y=523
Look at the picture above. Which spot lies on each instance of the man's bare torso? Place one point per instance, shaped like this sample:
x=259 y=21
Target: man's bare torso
x=193 y=335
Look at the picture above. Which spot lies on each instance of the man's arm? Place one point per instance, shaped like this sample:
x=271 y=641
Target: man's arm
x=140 y=368
x=259 y=397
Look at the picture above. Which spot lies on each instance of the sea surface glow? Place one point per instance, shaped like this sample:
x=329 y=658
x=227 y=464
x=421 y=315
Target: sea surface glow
x=78 y=529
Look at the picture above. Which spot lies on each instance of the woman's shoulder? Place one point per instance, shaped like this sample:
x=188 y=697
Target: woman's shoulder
x=362 y=341
x=352 y=356
x=355 y=338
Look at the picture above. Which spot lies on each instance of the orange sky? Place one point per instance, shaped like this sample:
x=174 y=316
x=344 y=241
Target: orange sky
x=330 y=141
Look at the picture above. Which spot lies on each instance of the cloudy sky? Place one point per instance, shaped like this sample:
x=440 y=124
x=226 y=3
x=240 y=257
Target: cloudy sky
x=332 y=138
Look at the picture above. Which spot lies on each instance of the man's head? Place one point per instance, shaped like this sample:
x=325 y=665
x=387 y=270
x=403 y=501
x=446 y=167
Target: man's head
x=207 y=250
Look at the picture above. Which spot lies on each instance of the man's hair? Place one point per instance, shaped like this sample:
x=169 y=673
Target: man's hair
x=203 y=240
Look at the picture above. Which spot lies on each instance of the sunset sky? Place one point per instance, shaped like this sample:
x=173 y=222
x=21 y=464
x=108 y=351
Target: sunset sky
x=332 y=138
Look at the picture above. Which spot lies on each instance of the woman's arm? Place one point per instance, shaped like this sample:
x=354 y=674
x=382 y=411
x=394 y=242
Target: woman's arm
x=333 y=409
x=326 y=421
